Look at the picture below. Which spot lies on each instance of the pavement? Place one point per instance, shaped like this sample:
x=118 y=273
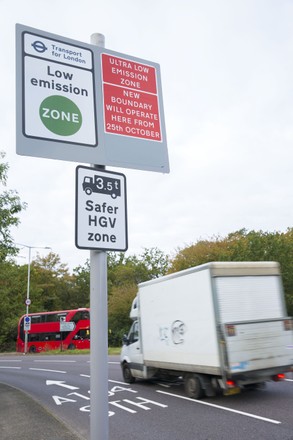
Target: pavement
x=23 y=418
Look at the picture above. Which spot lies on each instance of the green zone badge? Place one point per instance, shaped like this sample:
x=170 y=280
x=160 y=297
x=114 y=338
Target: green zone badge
x=60 y=115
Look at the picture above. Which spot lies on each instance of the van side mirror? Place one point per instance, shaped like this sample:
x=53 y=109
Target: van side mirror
x=125 y=340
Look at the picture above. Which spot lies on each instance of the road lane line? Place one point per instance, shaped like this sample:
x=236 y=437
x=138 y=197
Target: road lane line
x=10 y=368
x=50 y=371
x=56 y=362
x=116 y=381
x=10 y=360
x=289 y=380
x=254 y=416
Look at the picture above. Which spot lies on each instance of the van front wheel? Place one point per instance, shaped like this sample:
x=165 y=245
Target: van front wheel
x=127 y=375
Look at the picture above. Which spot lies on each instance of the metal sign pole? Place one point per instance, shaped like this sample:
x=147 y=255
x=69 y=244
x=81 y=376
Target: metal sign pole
x=27 y=295
x=99 y=423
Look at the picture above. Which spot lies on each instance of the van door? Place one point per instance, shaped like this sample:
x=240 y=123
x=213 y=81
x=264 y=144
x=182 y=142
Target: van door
x=134 y=351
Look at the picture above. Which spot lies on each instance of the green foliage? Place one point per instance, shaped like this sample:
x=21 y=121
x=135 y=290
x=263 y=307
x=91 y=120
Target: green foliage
x=152 y=263
x=51 y=284
x=10 y=207
x=243 y=246
x=119 y=306
x=10 y=277
x=12 y=298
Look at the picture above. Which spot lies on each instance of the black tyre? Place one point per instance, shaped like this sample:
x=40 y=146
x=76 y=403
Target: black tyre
x=32 y=349
x=71 y=347
x=193 y=387
x=127 y=376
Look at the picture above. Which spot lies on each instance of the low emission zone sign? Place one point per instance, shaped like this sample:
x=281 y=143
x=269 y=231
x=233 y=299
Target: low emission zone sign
x=101 y=216
x=58 y=92
x=84 y=103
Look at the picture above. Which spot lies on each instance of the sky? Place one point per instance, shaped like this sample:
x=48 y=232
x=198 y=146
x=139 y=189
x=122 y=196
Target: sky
x=226 y=69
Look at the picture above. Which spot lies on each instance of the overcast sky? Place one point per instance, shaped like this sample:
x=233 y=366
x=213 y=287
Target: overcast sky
x=227 y=75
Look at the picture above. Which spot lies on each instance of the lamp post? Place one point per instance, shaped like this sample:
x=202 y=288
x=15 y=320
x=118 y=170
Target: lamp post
x=27 y=302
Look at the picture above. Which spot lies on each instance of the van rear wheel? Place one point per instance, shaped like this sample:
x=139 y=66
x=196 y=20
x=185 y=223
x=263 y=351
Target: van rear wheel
x=192 y=386
x=127 y=375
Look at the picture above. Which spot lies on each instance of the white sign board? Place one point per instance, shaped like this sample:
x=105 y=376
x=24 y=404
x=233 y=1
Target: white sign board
x=67 y=326
x=27 y=323
x=58 y=93
x=84 y=103
x=101 y=216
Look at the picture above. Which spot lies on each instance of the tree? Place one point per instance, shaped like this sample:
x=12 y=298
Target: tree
x=52 y=283
x=203 y=251
x=119 y=305
x=10 y=207
x=133 y=269
x=80 y=293
x=243 y=245
x=12 y=297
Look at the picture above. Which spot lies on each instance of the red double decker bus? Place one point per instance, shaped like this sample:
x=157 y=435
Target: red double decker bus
x=46 y=331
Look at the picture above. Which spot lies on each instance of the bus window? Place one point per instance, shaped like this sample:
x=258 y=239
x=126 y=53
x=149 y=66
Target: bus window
x=82 y=334
x=80 y=315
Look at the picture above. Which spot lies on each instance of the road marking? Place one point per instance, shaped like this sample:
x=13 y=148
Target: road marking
x=114 y=363
x=49 y=361
x=109 y=362
x=109 y=380
x=122 y=407
x=61 y=383
x=10 y=360
x=289 y=380
x=50 y=371
x=164 y=385
x=116 y=381
x=10 y=368
x=254 y=416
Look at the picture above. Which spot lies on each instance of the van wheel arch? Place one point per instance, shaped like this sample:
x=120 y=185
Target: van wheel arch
x=127 y=375
x=193 y=386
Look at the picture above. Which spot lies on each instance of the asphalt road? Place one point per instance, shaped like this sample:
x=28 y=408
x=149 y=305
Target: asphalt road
x=150 y=410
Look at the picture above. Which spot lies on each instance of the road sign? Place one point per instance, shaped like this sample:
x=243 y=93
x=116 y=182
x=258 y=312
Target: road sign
x=67 y=326
x=101 y=217
x=28 y=302
x=58 y=94
x=27 y=323
x=131 y=104
x=133 y=125
x=83 y=103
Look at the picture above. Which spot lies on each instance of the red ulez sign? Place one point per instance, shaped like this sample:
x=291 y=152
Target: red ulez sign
x=130 y=98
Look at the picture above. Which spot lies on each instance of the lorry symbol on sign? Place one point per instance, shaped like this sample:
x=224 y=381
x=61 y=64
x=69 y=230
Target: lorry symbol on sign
x=103 y=185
